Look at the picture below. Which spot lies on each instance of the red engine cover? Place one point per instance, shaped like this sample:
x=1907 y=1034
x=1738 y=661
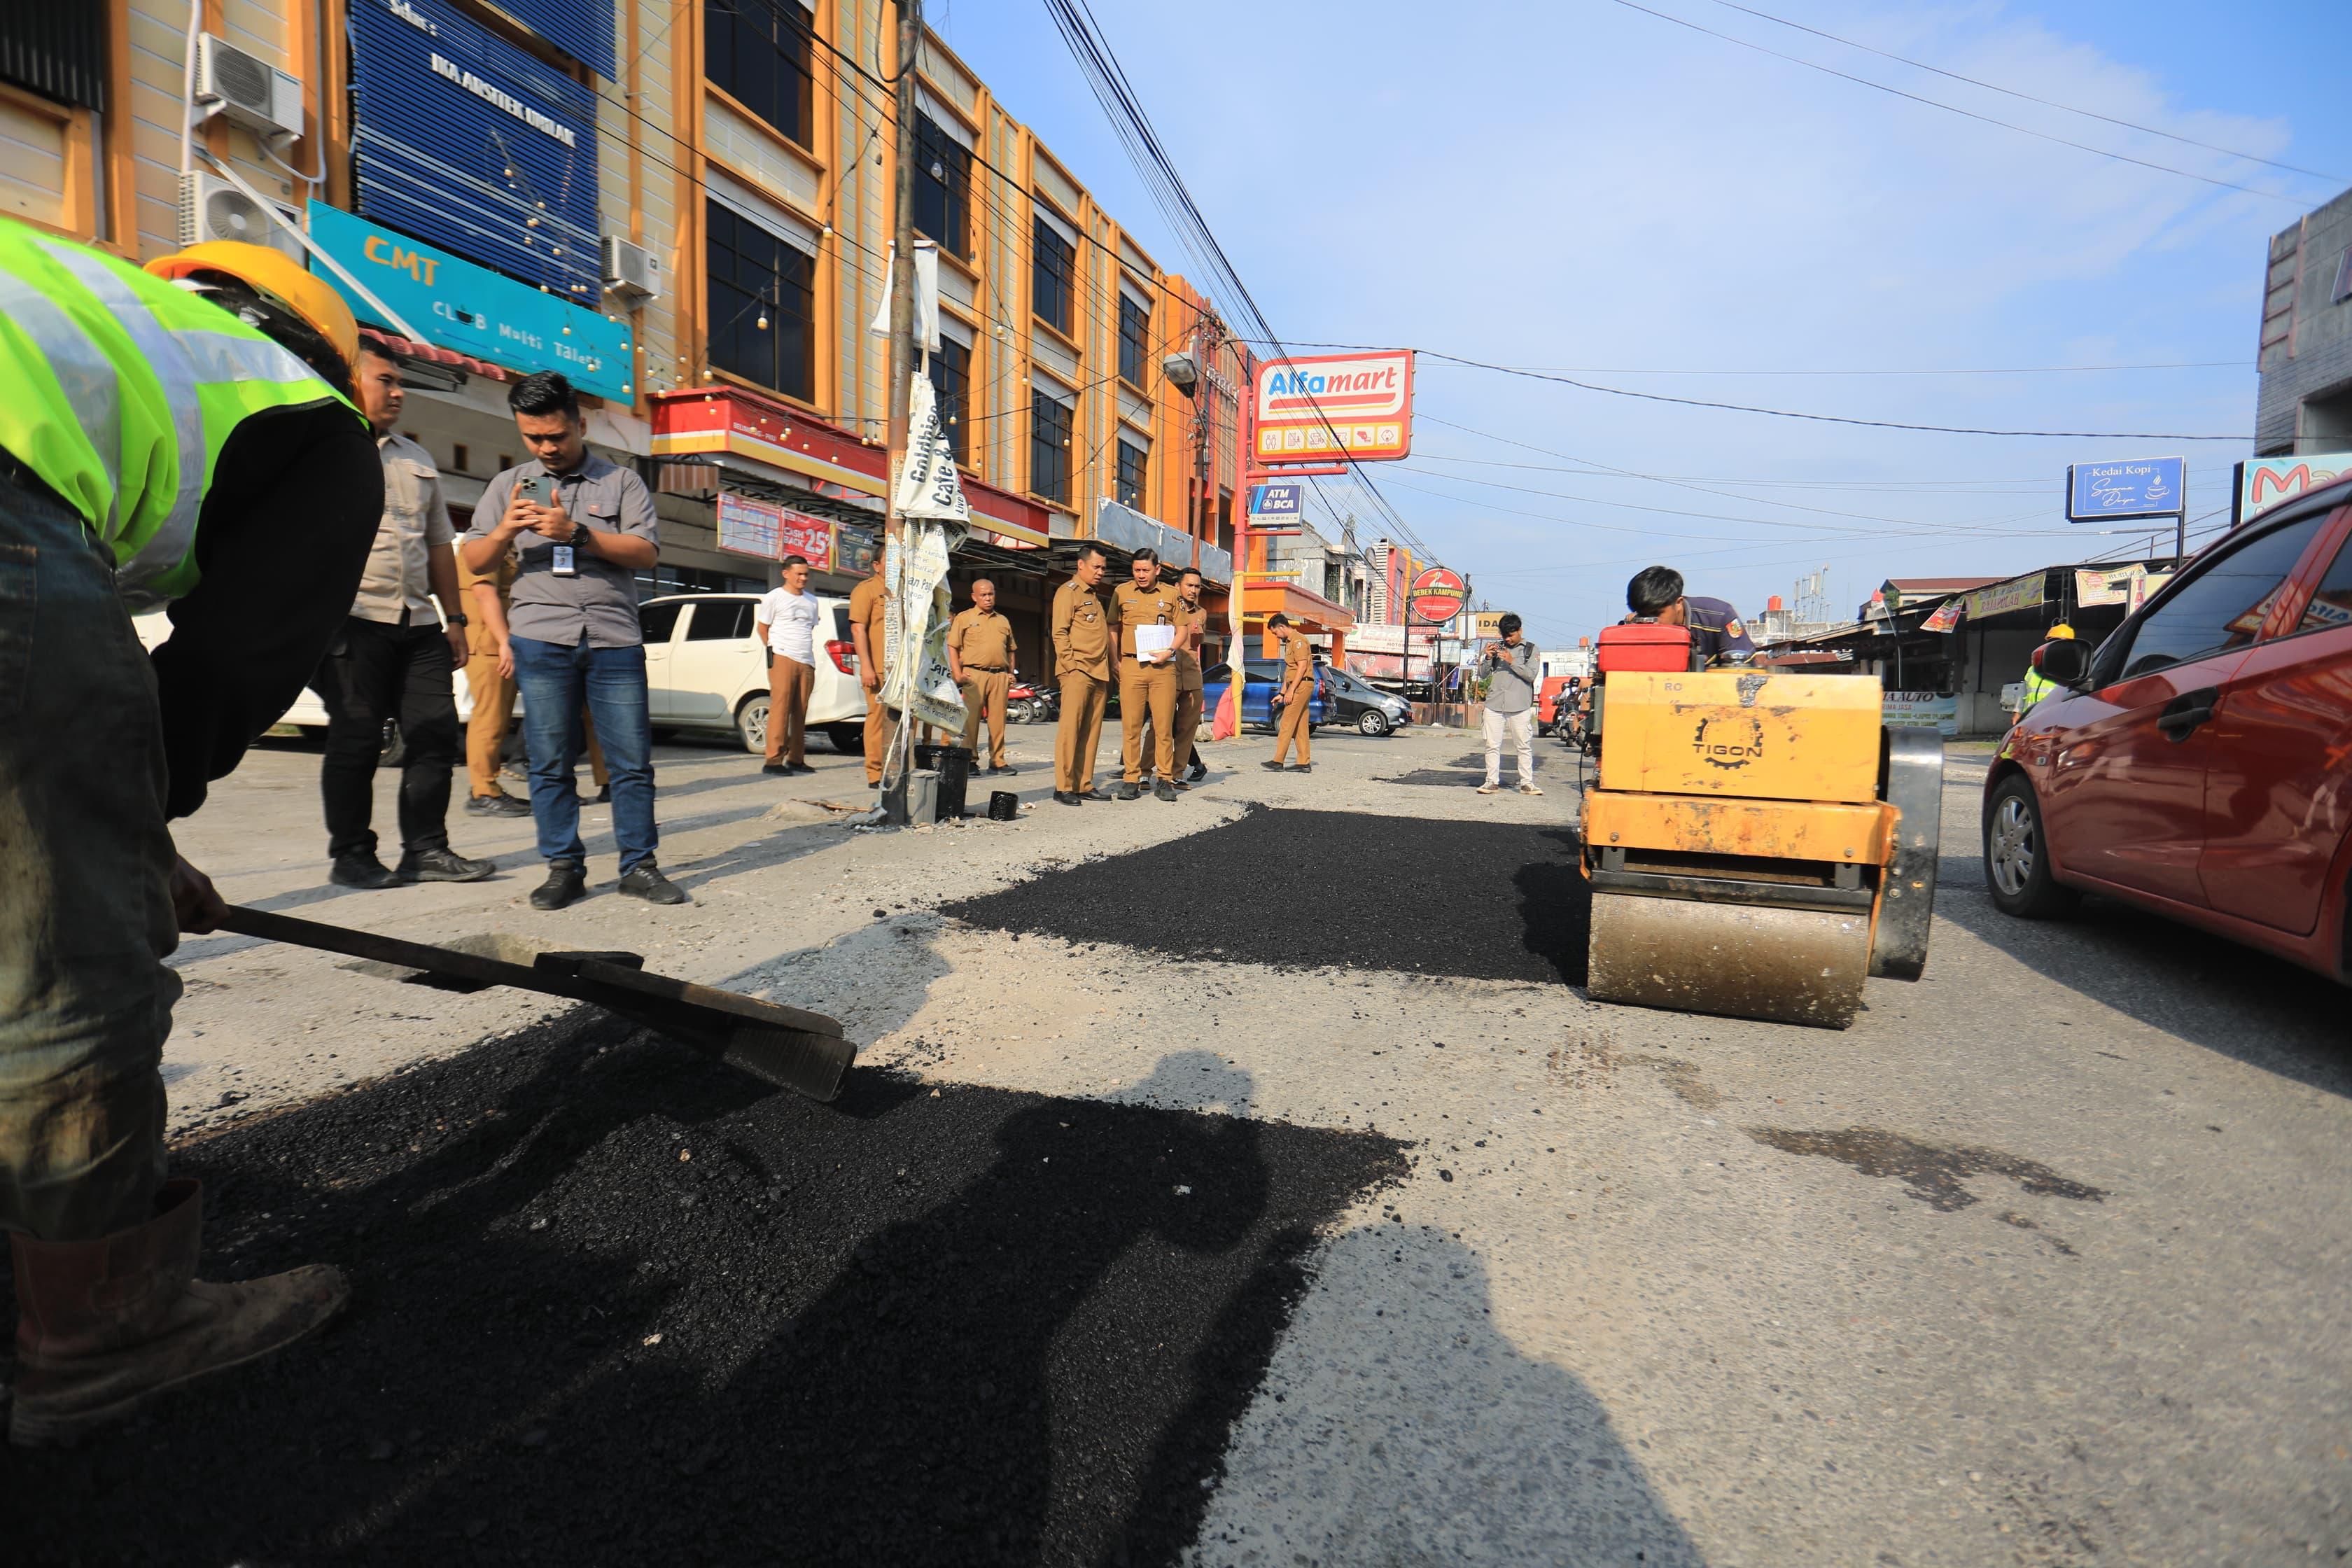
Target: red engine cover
x=1645 y=646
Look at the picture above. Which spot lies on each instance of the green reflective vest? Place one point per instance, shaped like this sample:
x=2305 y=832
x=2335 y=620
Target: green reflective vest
x=2037 y=687
x=120 y=391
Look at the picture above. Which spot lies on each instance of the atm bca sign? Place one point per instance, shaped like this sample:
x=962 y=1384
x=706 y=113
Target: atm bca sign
x=1336 y=407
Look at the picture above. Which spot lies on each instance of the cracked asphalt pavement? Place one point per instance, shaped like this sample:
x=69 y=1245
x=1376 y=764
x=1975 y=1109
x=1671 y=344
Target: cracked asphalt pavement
x=2045 y=1261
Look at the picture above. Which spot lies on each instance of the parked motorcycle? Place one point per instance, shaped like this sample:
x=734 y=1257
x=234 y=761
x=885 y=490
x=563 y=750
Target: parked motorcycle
x=1033 y=702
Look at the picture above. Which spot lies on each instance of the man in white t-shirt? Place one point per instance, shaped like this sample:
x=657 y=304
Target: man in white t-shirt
x=787 y=623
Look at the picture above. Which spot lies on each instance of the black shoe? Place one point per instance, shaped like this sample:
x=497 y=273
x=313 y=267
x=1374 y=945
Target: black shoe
x=499 y=804
x=647 y=882
x=1090 y=793
x=780 y=769
x=1003 y=768
x=601 y=797
x=1271 y=767
x=1164 y=790
x=1196 y=772
x=798 y=768
x=1129 y=790
x=565 y=884
x=442 y=865
x=361 y=869
x=1303 y=768
x=1065 y=797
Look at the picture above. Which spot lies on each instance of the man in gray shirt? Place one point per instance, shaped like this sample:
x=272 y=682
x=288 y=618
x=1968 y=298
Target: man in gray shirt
x=580 y=527
x=1511 y=675
x=392 y=660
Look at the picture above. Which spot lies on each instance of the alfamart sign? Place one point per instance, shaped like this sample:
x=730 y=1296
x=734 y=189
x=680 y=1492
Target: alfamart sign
x=1333 y=407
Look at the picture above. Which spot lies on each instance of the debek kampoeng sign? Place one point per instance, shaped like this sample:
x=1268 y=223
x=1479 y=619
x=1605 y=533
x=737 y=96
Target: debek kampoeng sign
x=1333 y=406
x=1437 y=595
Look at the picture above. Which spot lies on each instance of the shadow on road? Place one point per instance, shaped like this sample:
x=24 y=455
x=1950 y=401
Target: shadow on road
x=613 y=1304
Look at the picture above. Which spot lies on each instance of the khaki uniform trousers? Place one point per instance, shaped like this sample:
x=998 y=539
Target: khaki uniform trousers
x=789 y=684
x=486 y=728
x=1294 y=728
x=1080 y=733
x=1147 y=694
x=1187 y=724
x=879 y=723
x=985 y=692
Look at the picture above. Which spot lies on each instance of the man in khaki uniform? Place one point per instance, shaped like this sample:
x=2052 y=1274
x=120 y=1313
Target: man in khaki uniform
x=493 y=694
x=1191 y=626
x=1082 y=663
x=868 y=604
x=1297 y=689
x=1147 y=682
x=979 y=656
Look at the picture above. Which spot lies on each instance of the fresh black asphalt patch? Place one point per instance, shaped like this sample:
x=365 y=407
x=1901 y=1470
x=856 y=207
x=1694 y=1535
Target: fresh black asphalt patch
x=1328 y=889
x=616 y=1304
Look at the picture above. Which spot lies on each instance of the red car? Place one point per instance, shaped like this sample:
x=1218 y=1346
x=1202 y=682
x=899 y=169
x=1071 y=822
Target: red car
x=2198 y=763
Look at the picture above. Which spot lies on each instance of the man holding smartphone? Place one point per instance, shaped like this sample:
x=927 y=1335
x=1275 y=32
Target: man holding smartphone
x=579 y=529
x=1511 y=682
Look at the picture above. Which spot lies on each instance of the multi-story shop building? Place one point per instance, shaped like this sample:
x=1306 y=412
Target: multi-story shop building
x=686 y=206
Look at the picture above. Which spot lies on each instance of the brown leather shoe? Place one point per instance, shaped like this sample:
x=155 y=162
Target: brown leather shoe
x=105 y=1325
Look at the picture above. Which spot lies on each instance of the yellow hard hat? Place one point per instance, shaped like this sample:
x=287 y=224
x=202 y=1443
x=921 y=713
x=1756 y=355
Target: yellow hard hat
x=2061 y=630
x=278 y=278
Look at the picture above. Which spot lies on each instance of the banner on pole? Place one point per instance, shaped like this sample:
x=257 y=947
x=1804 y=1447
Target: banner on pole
x=934 y=522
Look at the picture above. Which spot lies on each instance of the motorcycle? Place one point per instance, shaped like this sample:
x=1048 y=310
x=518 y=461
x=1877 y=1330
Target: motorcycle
x=1033 y=702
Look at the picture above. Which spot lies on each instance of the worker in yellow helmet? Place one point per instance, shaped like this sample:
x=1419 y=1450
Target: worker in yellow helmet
x=180 y=435
x=2038 y=686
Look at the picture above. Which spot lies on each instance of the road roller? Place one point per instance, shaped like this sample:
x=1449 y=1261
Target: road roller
x=1758 y=841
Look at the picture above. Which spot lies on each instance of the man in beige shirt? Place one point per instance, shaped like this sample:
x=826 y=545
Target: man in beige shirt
x=979 y=656
x=395 y=660
x=1146 y=678
x=1191 y=627
x=1082 y=663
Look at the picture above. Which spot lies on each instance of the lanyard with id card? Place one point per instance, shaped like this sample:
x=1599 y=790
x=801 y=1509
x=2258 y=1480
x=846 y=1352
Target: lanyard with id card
x=540 y=490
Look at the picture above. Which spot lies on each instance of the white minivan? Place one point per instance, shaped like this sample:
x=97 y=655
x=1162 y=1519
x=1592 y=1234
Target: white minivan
x=705 y=670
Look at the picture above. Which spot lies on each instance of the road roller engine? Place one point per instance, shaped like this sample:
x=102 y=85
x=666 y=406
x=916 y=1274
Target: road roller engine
x=1757 y=842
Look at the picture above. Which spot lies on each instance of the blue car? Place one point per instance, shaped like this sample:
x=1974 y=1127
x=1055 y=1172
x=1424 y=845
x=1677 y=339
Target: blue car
x=1265 y=677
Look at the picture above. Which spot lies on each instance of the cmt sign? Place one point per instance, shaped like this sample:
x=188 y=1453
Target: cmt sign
x=416 y=263
x=2265 y=482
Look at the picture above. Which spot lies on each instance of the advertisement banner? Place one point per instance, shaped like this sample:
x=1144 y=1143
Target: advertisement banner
x=1920 y=710
x=810 y=538
x=2000 y=599
x=471 y=309
x=463 y=140
x=2140 y=487
x=1331 y=406
x=750 y=527
x=931 y=529
x=2265 y=482
x=857 y=548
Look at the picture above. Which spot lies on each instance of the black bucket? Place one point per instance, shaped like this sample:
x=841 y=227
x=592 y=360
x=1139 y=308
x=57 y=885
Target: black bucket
x=955 y=775
x=1003 y=805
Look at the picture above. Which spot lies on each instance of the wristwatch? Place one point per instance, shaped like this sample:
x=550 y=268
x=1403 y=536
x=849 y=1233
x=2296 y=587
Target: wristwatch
x=459 y=620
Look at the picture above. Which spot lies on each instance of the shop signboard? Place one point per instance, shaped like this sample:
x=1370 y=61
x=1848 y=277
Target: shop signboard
x=750 y=527
x=2265 y=482
x=2000 y=599
x=1437 y=595
x=471 y=309
x=1284 y=500
x=1920 y=710
x=465 y=139
x=810 y=538
x=1487 y=624
x=1328 y=408
x=856 y=548
x=2138 y=487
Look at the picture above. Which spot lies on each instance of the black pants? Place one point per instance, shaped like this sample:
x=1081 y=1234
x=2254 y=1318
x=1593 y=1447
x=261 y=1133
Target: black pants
x=373 y=672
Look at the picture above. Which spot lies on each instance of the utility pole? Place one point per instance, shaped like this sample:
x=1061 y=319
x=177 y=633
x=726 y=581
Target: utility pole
x=902 y=371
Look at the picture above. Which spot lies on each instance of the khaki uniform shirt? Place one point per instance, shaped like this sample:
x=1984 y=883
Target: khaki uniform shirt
x=869 y=606
x=1191 y=626
x=1297 y=669
x=416 y=523
x=982 y=641
x=1081 y=632
x=481 y=641
x=1132 y=606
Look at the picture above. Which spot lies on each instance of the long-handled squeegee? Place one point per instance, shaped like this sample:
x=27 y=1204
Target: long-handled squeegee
x=801 y=1051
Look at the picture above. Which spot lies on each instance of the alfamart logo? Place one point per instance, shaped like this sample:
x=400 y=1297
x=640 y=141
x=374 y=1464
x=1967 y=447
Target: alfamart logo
x=1728 y=742
x=1349 y=389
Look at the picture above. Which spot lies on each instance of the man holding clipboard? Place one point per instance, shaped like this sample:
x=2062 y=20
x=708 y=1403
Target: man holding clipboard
x=1144 y=611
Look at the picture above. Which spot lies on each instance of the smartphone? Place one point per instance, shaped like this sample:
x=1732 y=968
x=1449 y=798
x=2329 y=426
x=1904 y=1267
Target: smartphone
x=538 y=489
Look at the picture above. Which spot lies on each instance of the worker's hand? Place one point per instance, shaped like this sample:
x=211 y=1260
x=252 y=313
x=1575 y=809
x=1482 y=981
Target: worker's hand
x=520 y=515
x=196 y=903
x=506 y=659
x=553 y=522
x=459 y=652
x=868 y=678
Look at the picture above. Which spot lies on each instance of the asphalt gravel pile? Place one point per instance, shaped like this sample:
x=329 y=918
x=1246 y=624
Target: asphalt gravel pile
x=1328 y=890
x=617 y=1304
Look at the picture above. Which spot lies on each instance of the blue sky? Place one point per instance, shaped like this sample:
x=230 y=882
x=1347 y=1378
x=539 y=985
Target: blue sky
x=1576 y=183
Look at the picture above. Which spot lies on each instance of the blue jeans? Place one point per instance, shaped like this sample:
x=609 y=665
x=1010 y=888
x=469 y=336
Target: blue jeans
x=554 y=681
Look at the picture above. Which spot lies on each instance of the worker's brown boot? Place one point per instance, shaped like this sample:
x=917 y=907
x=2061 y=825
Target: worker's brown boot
x=106 y=1324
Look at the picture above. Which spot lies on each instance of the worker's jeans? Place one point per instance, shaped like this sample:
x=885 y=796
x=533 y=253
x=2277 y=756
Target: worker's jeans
x=374 y=671
x=555 y=681
x=85 y=897
x=1518 y=728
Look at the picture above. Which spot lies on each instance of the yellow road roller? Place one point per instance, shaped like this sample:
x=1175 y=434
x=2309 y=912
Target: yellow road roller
x=1757 y=842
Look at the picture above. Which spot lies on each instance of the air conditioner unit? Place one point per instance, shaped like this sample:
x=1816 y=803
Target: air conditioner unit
x=631 y=272
x=212 y=208
x=247 y=89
